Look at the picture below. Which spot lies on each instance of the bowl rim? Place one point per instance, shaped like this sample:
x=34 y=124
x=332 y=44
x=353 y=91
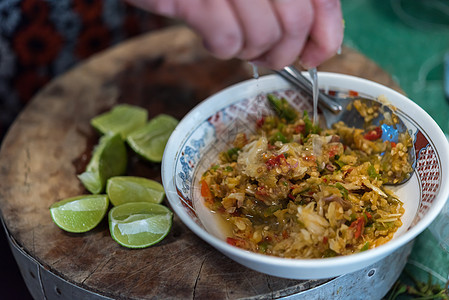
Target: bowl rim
x=194 y=118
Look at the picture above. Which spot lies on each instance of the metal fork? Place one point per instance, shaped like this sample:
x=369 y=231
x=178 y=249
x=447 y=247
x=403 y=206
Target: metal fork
x=334 y=109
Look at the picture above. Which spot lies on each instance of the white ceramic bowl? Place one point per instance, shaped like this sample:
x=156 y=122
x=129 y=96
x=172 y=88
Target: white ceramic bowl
x=211 y=126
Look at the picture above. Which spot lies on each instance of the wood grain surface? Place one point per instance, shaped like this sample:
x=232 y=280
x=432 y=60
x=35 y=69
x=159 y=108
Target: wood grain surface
x=51 y=142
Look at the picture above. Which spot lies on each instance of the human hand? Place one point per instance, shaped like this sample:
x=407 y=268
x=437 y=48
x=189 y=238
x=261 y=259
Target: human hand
x=271 y=33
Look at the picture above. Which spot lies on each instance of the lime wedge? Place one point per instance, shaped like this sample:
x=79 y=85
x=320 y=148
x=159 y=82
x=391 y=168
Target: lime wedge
x=149 y=141
x=109 y=159
x=123 y=189
x=139 y=224
x=121 y=119
x=81 y=213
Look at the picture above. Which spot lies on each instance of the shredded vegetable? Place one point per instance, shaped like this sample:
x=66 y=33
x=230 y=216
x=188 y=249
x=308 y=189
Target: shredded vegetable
x=296 y=190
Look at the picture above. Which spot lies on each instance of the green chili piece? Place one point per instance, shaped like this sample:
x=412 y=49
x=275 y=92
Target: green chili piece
x=384 y=226
x=232 y=154
x=308 y=124
x=270 y=122
x=271 y=210
x=229 y=169
x=216 y=206
x=393 y=200
x=366 y=218
x=281 y=126
x=304 y=190
x=339 y=163
x=329 y=253
x=365 y=247
x=344 y=192
x=309 y=127
x=372 y=172
x=263 y=246
x=353 y=217
x=278 y=136
x=282 y=108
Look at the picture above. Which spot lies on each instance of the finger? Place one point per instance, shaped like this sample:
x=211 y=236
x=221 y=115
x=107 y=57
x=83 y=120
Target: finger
x=214 y=21
x=260 y=26
x=296 y=18
x=326 y=34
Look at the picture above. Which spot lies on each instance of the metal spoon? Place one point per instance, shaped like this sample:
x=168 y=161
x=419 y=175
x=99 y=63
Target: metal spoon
x=334 y=109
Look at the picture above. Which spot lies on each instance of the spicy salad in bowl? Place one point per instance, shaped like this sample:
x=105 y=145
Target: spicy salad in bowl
x=250 y=173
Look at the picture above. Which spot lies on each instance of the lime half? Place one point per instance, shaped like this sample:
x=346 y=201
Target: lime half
x=81 y=213
x=121 y=119
x=139 y=224
x=109 y=159
x=123 y=189
x=149 y=141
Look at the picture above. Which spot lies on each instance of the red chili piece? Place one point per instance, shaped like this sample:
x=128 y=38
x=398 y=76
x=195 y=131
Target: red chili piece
x=300 y=128
x=274 y=161
x=359 y=225
x=353 y=93
x=236 y=242
x=205 y=192
x=333 y=151
x=374 y=134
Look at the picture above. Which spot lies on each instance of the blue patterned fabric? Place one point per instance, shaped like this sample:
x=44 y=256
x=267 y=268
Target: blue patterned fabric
x=40 y=39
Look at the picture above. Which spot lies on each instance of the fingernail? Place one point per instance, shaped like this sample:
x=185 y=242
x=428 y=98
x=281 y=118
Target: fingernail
x=259 y=63
x=305 y=65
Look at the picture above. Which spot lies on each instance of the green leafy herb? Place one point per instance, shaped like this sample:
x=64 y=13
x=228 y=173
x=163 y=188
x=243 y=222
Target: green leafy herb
x=418 y=289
